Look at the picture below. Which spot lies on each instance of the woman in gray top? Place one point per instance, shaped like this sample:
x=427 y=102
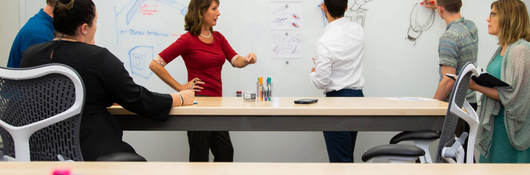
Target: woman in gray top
x=504 y=132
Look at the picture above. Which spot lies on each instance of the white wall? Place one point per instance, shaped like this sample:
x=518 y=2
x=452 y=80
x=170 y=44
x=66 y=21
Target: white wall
x=9 y=17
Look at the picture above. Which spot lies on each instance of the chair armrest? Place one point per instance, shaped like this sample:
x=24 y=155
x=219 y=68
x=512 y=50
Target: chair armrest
x=395 y=150
x=122 y=157
x=415 y=135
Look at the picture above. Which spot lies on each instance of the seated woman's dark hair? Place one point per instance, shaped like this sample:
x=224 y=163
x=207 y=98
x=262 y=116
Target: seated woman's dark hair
x=68 y=15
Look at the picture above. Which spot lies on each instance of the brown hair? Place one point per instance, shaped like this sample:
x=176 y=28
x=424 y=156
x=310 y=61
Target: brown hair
x=51 y=2
x=452 y=6
x=194 y=18
x=513 y=21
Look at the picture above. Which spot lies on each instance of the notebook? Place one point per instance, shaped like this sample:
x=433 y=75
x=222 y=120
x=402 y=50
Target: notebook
x=485 y=79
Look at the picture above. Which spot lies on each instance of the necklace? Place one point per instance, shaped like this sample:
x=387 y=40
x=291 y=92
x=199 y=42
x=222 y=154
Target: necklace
x=63 y=37
x=208 y=36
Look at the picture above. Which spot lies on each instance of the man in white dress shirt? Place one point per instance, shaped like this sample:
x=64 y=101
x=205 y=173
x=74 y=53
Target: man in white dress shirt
x=338 y=70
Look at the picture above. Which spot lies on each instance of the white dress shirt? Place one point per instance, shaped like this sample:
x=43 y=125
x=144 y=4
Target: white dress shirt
x=340 y=52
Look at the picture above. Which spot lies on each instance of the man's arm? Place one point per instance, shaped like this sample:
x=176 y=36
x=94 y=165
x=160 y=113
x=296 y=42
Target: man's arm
x=323 y=68
x=446 y=84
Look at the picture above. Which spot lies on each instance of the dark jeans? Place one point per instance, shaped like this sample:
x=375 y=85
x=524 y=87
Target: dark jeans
x=341 y=144
x=201 y=142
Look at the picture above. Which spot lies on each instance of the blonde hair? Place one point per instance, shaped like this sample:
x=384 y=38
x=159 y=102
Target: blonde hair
x=513 y=21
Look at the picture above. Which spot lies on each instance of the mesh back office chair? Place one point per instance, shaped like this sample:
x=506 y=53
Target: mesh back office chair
x=422 y=139
x=40 y=113
x=457 y=101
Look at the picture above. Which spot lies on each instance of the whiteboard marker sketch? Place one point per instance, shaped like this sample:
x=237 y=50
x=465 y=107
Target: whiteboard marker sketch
x=287 y=44
x=417 y=28
x=140 y=56
x=286 y=15
x=143 y=27
x=357 y=12
x=287 y=29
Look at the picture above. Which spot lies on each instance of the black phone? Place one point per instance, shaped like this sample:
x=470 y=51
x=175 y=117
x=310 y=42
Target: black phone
x=305 y=101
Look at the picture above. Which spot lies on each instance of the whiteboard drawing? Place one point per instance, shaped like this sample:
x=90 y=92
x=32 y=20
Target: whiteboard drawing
x=287 y=44
x=421 y=19
x=287 y=29
x=126 y=11
x=357 y=11
x=151 y=9
x=134 y=8
x=286 y=15
x=145 y=27
x=140 y=56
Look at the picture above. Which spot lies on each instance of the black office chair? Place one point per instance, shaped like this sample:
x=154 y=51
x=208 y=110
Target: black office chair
x=449 y=145
x=422 y=139
x=40 y=113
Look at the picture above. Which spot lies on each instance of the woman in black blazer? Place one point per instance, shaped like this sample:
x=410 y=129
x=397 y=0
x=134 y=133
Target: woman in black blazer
x=105 y=78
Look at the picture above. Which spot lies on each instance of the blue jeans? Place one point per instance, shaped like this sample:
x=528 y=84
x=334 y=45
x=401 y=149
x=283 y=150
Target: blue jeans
x=341 y=144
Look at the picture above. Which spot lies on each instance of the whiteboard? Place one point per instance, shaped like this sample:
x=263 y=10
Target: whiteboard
x=137 y=30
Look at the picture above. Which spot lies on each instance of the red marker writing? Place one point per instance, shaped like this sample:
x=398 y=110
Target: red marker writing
x=295 y=25
x=427 y=3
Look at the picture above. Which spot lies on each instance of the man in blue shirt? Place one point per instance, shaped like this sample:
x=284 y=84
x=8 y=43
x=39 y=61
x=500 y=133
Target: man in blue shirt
x=38 y=29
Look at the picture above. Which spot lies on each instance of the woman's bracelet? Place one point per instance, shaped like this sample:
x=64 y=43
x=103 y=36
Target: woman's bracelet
x=181 y=99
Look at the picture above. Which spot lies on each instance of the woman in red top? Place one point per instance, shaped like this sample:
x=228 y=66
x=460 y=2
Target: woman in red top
x=204 y=52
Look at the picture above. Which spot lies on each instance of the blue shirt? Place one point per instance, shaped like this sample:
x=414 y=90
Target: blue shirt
x=38 y=29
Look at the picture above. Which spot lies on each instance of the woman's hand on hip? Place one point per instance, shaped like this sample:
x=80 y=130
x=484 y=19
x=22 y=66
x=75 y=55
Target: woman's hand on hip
x=194 y=84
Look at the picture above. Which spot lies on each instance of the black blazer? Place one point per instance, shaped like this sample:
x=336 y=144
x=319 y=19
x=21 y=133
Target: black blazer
x=106 y=82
